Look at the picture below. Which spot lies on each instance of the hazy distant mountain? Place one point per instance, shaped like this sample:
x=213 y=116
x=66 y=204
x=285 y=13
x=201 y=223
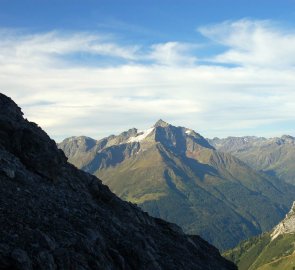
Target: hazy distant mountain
x=275 y=156
x=272 y=250
x=174 y=173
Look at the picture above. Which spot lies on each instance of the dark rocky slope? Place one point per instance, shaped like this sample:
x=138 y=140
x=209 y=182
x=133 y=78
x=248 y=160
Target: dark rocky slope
x=54 y=216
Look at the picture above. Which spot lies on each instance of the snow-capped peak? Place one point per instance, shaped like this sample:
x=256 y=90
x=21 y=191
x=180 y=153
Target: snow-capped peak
x=141 y=135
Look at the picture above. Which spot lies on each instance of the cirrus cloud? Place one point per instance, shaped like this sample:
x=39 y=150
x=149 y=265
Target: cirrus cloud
x=253 y=43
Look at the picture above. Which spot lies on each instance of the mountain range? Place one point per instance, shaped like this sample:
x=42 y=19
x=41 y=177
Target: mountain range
x=176 y=174
x=272 y=250
x=274 y=156
x=54 y=216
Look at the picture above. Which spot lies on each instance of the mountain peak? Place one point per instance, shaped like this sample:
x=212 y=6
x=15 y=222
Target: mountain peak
x=161 y=123
x=288 y=139
x=287 y=225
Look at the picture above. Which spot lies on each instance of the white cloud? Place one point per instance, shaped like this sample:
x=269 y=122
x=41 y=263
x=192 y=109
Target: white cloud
x=18 y=49
x=72 y=99
x=253 y=43
x=173 y=53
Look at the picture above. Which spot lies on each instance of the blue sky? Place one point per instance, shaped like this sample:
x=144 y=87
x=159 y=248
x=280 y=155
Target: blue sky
x=100 y=67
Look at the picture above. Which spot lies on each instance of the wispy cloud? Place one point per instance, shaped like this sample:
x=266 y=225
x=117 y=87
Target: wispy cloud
x=253 y=43
x=144 y=83
x=173 y=53
x=48 y=48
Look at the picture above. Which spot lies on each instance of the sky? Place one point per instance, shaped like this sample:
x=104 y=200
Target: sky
x=95 y=68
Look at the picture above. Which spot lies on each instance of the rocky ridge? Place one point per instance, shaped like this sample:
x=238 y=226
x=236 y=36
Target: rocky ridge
x=273 y=156
x=286 y=226
x=54 y=216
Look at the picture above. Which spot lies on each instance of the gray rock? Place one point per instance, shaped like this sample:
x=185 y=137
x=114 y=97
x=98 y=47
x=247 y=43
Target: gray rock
x=9 y=172
x=21 y=259
x=45 y=261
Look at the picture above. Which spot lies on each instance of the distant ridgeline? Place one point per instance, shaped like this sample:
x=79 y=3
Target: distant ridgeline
x=176 y=174
x=271 y=250
x=274 y=156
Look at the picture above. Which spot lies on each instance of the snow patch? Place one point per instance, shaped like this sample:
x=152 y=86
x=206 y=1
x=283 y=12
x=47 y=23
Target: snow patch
x=141 y=135
x=188 y=131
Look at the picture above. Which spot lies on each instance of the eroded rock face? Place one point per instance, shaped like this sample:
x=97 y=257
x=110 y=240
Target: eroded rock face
x=53 y=216
x=287 y=225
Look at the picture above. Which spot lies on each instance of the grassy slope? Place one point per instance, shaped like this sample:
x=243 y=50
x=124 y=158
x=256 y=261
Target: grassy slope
x=263 y=254
x=284 y=263
x=203 y=200
x=273 y=158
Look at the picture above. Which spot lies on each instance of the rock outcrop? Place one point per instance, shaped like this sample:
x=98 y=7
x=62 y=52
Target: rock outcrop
x=54 y=216
x=271 y=250
x=286 y=226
